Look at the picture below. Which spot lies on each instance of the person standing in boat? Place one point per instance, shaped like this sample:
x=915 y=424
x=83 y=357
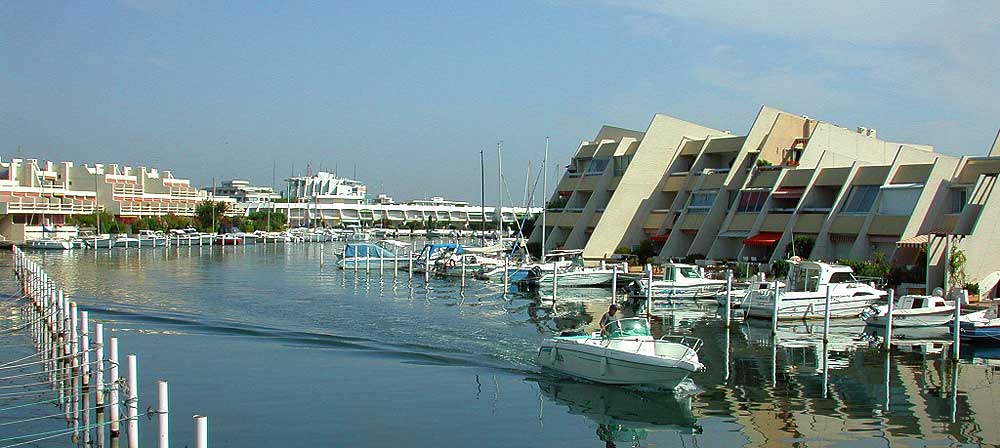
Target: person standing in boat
x=609 y=317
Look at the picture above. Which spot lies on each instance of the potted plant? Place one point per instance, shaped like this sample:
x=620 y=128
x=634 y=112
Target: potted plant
x=973 y=290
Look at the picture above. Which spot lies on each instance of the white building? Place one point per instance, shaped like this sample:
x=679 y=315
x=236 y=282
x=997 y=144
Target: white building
x=242 y=191
x=326 y=188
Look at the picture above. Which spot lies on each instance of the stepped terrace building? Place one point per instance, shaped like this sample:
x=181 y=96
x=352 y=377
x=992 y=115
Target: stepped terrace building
x=36 y=197
x=697 y=192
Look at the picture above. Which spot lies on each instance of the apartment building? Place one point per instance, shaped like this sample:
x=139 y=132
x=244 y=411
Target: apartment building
x=696 y=192
x=36 y=196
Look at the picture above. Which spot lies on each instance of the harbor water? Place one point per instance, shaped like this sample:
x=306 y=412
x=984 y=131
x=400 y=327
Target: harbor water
x=281 y=348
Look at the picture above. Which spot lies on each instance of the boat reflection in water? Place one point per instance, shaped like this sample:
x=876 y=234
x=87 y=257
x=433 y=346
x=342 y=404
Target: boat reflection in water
x=622 y=414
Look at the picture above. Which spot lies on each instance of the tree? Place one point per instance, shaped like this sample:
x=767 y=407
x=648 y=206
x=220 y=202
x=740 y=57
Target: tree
x=210 y=211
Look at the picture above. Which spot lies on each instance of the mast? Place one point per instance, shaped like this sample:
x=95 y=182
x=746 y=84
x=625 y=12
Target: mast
x=97 y=206
x=499 y=212
x=545 y=189
x=482 y=192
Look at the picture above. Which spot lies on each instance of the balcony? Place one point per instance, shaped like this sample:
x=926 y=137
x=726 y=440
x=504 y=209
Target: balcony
x=775 y=222
x=809 y=223
x=655 y=220
x=675 y=182
x=847 y=224
x=693 y=222
x=888 y=225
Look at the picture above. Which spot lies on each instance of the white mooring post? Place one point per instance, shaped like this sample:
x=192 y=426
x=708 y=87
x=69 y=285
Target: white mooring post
x=774 y=309
x=614 y=285
x=163 y=422
x=133 y=404
x=729 y=297
x=826 y=318
x=463 y=274
x=427 y=269
x=201 y=431
x=649 y=291
x=888 y=320
x=506 y=277
x=555 y=281
x=409 y=262
x=355 y=258
x=381 y=264
x=115 y=388
x=956 y=342
x=99 y=365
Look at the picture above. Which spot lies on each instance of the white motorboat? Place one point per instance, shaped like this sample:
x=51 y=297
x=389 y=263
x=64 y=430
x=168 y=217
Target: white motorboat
x=571 y=272
x=679 y=281
x=916 y=311
x=151 y=238
x=49 y=244
x=126 y=242
x=739 y=292
x=626 y=353
x=805 y=295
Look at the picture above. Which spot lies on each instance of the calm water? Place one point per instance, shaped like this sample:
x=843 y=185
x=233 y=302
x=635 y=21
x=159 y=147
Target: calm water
x=279 y=350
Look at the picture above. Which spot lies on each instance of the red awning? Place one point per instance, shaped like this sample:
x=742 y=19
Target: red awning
x=789 y=192
x=763 y=239
x=660 y=238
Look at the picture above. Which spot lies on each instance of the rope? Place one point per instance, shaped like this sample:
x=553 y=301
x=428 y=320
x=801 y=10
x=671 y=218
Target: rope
x=55 y=433
x=6 y=366
x=11 y=331
x=34 y=419
x=53 y=401
x=46 y=372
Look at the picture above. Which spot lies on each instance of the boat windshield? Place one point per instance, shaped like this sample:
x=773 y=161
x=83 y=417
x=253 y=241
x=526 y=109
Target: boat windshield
x=688 y=272
x=627 y=327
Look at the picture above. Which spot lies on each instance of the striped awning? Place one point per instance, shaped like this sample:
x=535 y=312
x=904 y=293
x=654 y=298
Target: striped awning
x=763 y=239
x=914 y=241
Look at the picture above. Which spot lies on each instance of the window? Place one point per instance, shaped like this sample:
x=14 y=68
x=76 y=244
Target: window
x=899 y=201
x=752 y=201
x=621 y=164
x=597 y=166
x=690 y=273
x=957 y=198
x=861 y=198
x=842 y=277
x=701 y=201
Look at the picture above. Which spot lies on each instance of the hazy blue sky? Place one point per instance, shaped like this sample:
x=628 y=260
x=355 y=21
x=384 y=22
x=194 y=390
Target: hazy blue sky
x=410 y=91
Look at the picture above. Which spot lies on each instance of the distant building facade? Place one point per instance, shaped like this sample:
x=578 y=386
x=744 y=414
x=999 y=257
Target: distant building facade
x=242 y=191
x=326 y=188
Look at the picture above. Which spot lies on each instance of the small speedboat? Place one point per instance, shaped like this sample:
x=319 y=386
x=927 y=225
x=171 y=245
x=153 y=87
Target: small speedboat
x=625 y=353
x=364 y=254
x=985 y=329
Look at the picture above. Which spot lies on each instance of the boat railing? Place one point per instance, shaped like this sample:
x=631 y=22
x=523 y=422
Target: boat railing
x=691 y=342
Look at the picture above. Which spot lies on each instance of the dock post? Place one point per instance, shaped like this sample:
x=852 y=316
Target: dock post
x=320 y=257
x=99 y=364
x=355 y=258
x=614 y=285
x=888 y=322
x=381 y=264
x=555 y=281
x=427 y=269
x=649 y=291
x=74 y=363
x=826 y=320
x=506 y=277
x=409 y=262
x=729 y=296
x=774 y=310
x=163 y=422
x=956 y=342
x=115 y=387
x=133 y=404
x=201 y=431
x=462 y=289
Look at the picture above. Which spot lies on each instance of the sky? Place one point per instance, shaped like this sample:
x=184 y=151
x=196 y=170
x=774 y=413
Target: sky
x=408 y=93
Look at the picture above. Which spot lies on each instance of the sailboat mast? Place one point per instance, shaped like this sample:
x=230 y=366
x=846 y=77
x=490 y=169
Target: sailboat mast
x=499 y=212
x=482 y=192
x=97 y=205
x=545 y=189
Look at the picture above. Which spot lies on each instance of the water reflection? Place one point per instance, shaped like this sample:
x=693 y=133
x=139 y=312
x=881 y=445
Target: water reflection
x=622 y=414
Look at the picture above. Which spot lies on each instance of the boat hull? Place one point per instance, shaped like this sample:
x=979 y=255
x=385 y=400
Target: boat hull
x=577 y=278
x=606 y=366
x=809 y=307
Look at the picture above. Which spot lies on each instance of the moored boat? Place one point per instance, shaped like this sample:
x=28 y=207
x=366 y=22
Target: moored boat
x=804 y=297
x=679 y=281
x=49 y=244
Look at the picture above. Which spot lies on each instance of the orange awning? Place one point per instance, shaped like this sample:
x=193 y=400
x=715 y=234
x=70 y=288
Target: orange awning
x=789 y=192
x=914 y=241
x=763 y=239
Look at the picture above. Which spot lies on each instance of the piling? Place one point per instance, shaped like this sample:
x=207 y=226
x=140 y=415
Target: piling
x=826 y=317
x=115 y=387
x=649 y=291
x=506 y=277
x=888 y=320
x=729 y=296
x=163 y=423
x=956 y=342
x=555 y=281
x=381 y=264
x=99 y=364
x=774 y=310
x=614 y=284
x=133 y=404
x=463 y=275
x=201 y=431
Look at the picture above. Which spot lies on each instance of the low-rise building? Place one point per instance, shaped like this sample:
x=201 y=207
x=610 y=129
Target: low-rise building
x=326 y=188
x=242 y=191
